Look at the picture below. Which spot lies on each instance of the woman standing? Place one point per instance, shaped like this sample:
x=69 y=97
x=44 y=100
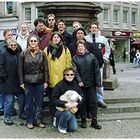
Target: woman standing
x=65 y=120
x=9 y=82
x=33 y=75
x=59 y=58
x=88 y=76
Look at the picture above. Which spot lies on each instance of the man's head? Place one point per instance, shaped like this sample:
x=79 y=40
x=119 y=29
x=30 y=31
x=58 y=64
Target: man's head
x=7 y=34
x=94 y=27
x=51 y=20
x=23 y=29
x=61 y=25
x=39 y=25
x=76 y=25
x=80 y=33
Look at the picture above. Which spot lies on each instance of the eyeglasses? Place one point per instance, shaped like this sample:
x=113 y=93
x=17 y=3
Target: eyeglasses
x=33 y=40
x=50 y=19
x=69 y=74
x=13 y=45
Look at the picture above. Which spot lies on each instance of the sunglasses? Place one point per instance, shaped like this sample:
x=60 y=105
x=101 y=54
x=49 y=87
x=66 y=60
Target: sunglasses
x=13 y=45
x=50 y=19
x=69 y=74
x=33 y=40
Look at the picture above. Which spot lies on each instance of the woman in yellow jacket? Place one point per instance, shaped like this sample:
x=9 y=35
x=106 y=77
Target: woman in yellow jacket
x=59 y=58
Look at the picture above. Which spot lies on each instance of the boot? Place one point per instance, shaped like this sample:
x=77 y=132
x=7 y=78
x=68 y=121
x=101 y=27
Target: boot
x=94 y=124
x=83 y=122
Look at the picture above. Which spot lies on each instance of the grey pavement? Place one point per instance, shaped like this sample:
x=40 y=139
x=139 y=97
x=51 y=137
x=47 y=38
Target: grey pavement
x=129 y=86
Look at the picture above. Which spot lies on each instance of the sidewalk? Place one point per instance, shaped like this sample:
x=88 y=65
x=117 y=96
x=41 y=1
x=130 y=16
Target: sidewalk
x=129 y=86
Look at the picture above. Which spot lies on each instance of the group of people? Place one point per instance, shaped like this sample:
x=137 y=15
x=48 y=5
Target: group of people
x=51 y=60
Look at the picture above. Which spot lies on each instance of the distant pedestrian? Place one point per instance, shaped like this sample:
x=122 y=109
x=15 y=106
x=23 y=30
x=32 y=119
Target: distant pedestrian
x=112 y=61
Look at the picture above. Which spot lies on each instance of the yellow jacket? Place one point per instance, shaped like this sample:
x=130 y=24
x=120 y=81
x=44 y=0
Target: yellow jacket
x=57 y=66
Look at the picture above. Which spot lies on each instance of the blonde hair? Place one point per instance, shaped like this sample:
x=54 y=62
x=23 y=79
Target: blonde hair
x=10 y=41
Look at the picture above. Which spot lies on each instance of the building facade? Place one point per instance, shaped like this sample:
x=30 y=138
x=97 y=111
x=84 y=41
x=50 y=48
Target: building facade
x=119 y=21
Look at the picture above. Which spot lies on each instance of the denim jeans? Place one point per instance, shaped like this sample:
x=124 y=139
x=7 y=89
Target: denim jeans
x=100 y=91
x=34 y=94
x=1 y=102
x=66 y=121
x=21 y=102
x=8 y=103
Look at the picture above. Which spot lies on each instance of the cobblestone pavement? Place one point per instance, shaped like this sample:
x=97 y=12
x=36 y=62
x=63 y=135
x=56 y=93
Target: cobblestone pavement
x=129 y=80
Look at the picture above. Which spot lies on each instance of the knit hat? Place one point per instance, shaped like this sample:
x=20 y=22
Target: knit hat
x=81 y=29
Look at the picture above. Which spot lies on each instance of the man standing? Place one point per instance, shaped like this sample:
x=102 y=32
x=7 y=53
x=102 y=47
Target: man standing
x=43 y=34
x=61 y=29
x=102 y=42
x=22 y=36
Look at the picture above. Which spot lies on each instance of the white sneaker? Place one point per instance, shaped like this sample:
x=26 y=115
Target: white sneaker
x=62 y=131
x=54 y=121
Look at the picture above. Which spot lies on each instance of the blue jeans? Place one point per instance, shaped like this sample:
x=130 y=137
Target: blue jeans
x=66 y=121
x=8 y=105
x=21 y=102
x=34 y=94
x=100 y=91
x=1 y=102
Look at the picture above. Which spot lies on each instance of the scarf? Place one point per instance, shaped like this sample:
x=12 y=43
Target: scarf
x=55 y=50
x=33 y=50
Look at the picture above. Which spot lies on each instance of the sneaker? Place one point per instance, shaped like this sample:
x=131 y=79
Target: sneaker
x=94 y=124
x=54 y=121
x=8 y=122
x=62 y=131
x=30 y=125
x=102 y=105
x=83 y=123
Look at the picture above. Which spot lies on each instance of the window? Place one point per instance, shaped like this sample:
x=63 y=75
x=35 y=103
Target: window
x=9 y=8
x=116 y=15
x=125 y=16
x=27 y=14
x=105 y=14
x=133 y=18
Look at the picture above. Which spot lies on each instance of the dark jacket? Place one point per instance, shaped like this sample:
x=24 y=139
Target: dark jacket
x=9 y=82
x=87 y=69
x=60 y=89
x=67 y=38
x=33 y=70
x=44 y=38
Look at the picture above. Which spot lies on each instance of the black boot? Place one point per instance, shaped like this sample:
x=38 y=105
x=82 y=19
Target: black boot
x=94 y=124
x=83 y=122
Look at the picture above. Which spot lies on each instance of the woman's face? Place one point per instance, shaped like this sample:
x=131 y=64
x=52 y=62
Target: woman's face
x=69 y=76
x=33 y=42
x=13 y=46
x=56 y=39
x=81 y=48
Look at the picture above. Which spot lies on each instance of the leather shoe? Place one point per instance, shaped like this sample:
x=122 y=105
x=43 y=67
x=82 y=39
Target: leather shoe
x=102 y=105
x=1 y=113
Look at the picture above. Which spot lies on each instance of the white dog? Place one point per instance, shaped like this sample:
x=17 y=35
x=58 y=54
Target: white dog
x=70 y=96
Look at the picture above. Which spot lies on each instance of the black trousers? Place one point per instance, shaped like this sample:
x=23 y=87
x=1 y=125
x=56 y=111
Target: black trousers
x=90 y=100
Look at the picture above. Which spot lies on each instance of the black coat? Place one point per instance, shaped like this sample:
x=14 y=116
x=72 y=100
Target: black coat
x=60 y=89
x=87 y=69
x=9 y=81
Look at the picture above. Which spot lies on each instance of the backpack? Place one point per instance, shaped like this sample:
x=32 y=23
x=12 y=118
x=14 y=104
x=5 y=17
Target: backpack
x=93 y=48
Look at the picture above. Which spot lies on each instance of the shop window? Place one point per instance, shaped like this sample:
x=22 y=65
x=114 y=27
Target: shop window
x=9 y=7
x=125 y=16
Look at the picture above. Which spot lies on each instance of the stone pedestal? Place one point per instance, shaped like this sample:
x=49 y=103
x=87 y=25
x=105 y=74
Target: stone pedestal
x=109 y=83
